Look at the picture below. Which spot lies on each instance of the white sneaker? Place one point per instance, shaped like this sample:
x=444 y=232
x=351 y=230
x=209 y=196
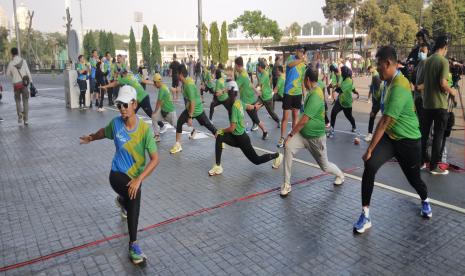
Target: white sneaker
x=285 y=189
x=339 y=180
x=176 y=148
x=368 y=137
x=163 y=129
x=216 y=170
x=192 y=135
x=277 y=161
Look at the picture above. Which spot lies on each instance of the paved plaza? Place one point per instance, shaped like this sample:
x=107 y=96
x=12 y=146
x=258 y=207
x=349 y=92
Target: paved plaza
x=59 y=217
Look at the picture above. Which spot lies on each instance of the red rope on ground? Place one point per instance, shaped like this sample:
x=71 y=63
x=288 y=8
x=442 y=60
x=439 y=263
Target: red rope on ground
x=165 y=222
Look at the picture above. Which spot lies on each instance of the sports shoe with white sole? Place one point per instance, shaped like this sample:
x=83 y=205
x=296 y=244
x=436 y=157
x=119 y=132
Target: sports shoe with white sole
x=339 y=180
x=368 y=137
x=362 y=224
x=285 y=189
x=216 y=170
x=193 y=133
x=439 y=171
x=176 y=148
x=426 y=210
x=280 y=142
x=277 y=161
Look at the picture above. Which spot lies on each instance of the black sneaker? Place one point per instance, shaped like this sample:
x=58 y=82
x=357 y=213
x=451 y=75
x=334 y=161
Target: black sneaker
x=265 y=135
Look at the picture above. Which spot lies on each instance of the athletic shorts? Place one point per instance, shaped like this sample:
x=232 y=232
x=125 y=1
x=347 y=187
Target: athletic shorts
x=93 y=86
x=292 y=102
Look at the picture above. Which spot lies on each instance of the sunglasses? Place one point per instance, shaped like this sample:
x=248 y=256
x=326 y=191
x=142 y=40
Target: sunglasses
x=125 y=105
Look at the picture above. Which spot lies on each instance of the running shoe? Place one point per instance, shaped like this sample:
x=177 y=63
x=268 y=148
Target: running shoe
x=368 y=137
x=285 y=189
x=1 y=119
x=135 y=254
x=362 y=224
x=277 y=161
x=254 y=127
x=176 y=148
x=265 y=135
x=26 y=122
x=439 y=171
x=339 y=180
x=216 y=170
x=163 y=129
x=423 y=167
x=426 y=211
x=354 y=130
x=193 y=133
x=331 y=133
x=281 y=142
x=119 y=203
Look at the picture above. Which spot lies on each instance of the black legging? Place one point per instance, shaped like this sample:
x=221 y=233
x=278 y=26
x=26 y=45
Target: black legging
x=202 y=119
x=326 y=113
x=374 y=111
x=119 y=182
x=226 y=103
x=276 y=98
x=347 y=112
x=242 y=142
x=82 y=98
x=269 y=107
x=145 y=105
x=407 y=152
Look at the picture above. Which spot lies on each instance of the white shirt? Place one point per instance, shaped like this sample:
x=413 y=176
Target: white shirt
x=12 y=70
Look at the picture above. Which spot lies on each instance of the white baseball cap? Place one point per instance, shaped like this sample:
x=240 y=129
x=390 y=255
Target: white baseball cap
x=126 y=94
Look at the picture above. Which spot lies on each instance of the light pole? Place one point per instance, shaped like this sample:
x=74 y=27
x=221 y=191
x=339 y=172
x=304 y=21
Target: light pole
x=199 y=32
x=82 y=24
x=18 y=44
x=353 y=29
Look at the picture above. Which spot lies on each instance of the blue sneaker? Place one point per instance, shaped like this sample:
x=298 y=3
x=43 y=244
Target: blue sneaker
x=135 y=254
x=426 y=211
x=362 y=224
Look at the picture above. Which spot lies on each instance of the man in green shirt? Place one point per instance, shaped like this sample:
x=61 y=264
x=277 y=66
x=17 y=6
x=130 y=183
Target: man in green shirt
x=434 y=84
x=397 y=135
x=236 y=136
x=221 y=96
x=374 y=96
x=194 y=109
x=309 y=133
x=247 y=95
x=164 y=107
x=266 y=97
x=278 y=90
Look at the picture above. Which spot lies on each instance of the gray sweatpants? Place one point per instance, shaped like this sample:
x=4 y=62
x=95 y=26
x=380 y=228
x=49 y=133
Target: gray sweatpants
x=316 y=147
x=158 y=116
x=22 y=95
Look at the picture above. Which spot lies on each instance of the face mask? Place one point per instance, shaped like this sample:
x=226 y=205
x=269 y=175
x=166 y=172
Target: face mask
x=421 y=56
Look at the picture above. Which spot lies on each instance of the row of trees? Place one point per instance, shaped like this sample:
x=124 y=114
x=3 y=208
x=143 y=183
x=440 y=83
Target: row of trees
x=103 y=42
x=150 y=48
x=216 y=49
x=396 y=22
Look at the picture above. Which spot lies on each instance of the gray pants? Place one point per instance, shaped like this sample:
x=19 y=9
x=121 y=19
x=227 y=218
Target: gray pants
x=158 y=116
x=22 y=95
x=316 y=147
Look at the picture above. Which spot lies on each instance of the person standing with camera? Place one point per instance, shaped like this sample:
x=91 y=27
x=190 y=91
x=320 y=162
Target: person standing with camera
x=436 y=91
x=21 y=78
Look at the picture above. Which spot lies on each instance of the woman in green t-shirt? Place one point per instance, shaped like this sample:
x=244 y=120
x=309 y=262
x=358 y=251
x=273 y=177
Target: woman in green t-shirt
x=235 y=136
x=344 y=100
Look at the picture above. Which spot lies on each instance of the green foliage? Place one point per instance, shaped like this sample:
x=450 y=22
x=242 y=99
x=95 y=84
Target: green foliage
x=206 y=45
x=119 y=41
x=111 y=44
x=89 y=44
x=102 y=43
x=145 y=46
x=307 y=28
x=293 y=31
x=446 y=19
x=3 y=44
x=395 y=28
x=410 y=7
x=368 y=17
x=255 y=24
x=132 y=51
x=224 y=51
x=156 y=51
x=215 y=42
x=338 y=10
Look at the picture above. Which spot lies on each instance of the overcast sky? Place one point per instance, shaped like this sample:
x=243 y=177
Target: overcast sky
x=178 y=17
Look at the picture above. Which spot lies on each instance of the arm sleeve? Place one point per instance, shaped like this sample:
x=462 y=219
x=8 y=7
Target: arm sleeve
x=396 y=102
x=109 y=130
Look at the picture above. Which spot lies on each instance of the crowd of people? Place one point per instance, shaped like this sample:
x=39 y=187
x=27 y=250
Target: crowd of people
x=306 y=91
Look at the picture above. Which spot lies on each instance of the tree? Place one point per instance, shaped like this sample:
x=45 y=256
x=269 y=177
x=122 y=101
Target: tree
x=340 y=11
x=293 y=31
x=445 y=18
x=206 y=45
x=156 y=51
x=307 y=28
x=215 y=42
x=224 y=50
x=132 y=51
x=395 y=28
x=410 y=7
x=89 y=44
x=102 y=42
x=119 y=41
x=368 y=16
x=255 y=24
x=145 y=46
x=111 y=44
x=3 y=44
